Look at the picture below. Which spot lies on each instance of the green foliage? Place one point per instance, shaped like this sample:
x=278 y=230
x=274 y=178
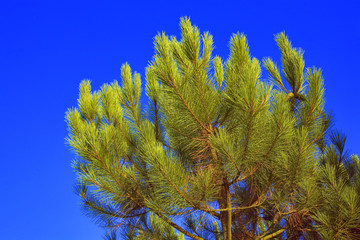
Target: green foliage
x=219 y=152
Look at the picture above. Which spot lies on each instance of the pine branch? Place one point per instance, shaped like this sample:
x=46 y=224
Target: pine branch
x=273 y=234
x=177 y=227
x=188 y=107
x=249 y=126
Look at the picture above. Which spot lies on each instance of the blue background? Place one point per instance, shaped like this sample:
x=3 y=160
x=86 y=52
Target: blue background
x=48 y=47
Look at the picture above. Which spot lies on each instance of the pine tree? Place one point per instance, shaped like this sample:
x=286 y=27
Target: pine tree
x=218 y=152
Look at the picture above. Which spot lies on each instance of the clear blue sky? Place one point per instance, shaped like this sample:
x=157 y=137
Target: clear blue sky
x=48 y=47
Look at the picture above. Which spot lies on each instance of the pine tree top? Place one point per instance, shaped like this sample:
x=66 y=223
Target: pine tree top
x=219 y=152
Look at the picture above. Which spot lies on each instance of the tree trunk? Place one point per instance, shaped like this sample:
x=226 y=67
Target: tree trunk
x=225 y=216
